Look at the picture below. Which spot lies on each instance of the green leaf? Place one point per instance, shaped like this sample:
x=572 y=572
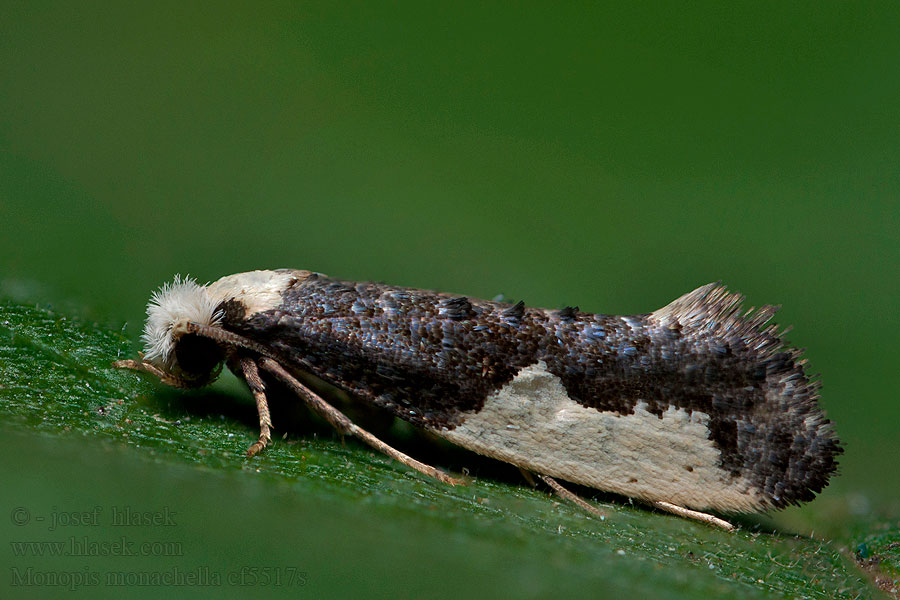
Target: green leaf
x=879 y=554
x=351 y=517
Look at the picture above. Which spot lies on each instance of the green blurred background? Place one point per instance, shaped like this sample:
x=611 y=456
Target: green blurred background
x=612 y=157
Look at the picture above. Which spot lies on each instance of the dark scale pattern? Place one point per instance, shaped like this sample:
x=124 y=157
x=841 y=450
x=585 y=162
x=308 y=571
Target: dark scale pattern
x=430 y=358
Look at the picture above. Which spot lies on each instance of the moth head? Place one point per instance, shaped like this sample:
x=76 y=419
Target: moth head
x=192 y=360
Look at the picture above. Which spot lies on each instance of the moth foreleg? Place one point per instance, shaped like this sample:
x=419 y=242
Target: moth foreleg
x=152 y=369
x=255 y=383
x=339 y=421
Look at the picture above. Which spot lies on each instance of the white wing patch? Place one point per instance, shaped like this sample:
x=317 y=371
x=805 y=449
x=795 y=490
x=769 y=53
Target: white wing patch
x=257 y=290
x=532 y=423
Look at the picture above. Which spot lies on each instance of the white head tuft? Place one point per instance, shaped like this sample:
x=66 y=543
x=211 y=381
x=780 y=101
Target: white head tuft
x=176 y=303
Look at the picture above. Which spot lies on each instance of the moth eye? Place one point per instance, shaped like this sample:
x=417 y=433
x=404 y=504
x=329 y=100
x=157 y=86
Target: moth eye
x=197 y=356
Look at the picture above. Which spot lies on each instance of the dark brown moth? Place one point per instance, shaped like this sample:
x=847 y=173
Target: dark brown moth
x=696 y=406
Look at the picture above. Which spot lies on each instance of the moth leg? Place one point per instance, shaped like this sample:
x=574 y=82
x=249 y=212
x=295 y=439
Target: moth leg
x=339 y=421
x=668 y=507
x=149 y=368
x=562 y=492
x=694 y=515
x=255 y=383
x=526 y=475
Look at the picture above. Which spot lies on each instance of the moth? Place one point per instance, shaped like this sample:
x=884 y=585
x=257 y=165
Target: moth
x=698 y=406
